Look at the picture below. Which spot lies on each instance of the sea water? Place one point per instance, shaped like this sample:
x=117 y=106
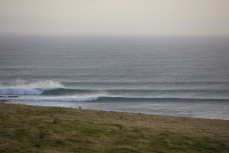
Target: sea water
x=180 y=76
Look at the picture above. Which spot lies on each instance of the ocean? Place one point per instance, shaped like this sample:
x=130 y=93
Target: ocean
x=178 y=76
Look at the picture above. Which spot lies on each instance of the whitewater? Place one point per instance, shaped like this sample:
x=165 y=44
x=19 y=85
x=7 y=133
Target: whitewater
x=160 y=75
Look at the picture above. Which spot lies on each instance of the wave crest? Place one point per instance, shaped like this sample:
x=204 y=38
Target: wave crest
x=21 y=87
x=47 y=84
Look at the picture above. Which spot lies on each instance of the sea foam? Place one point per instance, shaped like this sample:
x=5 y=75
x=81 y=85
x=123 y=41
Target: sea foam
x=19 y=91
x=21 y=87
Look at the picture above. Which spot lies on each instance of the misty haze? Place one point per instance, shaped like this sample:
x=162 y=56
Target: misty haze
x=167 y=57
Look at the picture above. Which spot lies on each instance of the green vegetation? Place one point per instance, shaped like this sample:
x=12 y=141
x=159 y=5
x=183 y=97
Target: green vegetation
x=52 y=130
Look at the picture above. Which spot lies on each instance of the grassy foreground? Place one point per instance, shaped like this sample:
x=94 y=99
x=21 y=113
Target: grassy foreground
x=49 y=129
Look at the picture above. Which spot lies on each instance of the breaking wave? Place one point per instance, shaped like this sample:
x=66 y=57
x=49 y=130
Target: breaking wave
x=21 y=87
x=55 y=91
x=20 y=91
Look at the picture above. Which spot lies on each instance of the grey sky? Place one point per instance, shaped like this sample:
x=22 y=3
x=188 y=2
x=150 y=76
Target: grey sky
x=144 y=17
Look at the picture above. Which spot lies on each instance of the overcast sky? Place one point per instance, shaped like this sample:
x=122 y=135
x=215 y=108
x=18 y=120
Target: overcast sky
x=118 y=17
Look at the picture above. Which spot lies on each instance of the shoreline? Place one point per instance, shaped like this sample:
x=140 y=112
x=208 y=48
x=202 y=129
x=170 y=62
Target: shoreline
x=58 y=129
x=85 y=105
x=80 y=107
